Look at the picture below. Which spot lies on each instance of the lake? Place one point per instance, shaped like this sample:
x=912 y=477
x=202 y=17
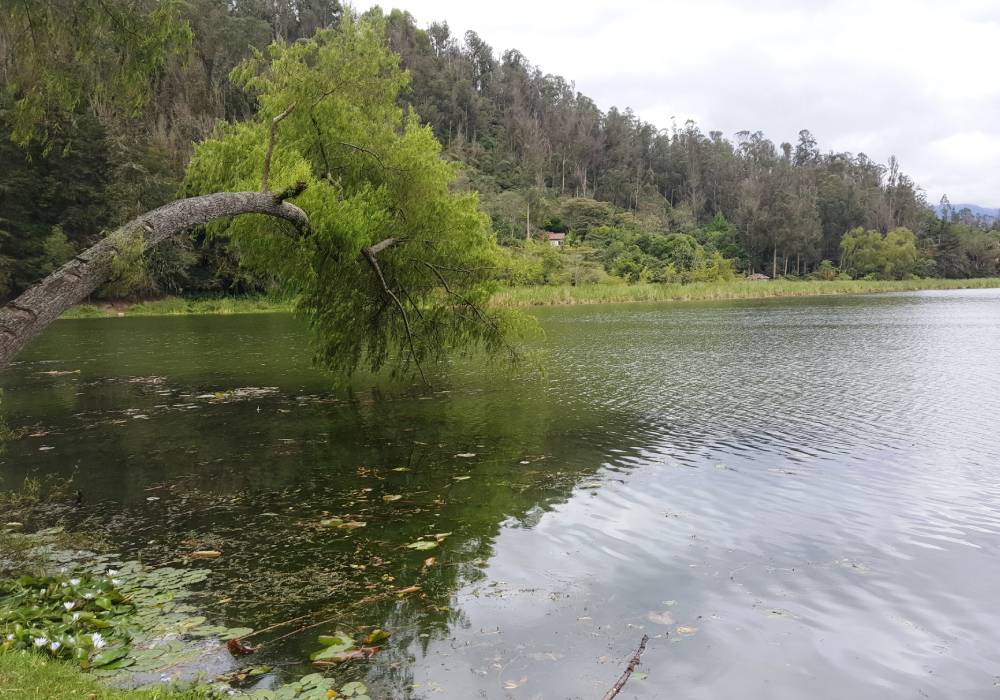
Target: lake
x=792 y=498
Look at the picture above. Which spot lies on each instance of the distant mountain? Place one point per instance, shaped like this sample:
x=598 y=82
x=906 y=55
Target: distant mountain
x=985 y=212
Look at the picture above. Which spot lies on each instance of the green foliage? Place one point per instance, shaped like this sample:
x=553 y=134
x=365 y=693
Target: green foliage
x=870 y=255
x=72 y=53
x=373 y=173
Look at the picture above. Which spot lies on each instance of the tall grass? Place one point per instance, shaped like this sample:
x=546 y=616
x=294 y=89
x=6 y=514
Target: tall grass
x=559 y=296
x=179 y=306
x=708 y=291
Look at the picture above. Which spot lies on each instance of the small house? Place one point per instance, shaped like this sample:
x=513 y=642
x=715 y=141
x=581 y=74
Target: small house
x=555 y=239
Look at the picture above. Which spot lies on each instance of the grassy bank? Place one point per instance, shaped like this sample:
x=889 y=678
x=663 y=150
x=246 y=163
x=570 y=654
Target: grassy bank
x=179 y=306
x=717 y=291
x=30 y=676
x=559 y=296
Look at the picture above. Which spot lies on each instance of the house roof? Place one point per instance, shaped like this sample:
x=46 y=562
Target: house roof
x=549 y=236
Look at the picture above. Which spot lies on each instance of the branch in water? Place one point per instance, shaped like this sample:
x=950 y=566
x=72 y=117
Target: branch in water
x=617 y=687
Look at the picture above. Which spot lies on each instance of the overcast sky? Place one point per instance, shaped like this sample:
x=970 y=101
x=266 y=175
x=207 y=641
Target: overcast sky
x=916 y=78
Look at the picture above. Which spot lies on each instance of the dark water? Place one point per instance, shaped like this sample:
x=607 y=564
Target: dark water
x=792 y=498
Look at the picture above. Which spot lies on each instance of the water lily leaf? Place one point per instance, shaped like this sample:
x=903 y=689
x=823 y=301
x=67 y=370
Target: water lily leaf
x=236 y=633
x=390 y=498
x=640 y=676
x=353 y=689
x=330 y=658
x=377 y=636
x=333 y=644
x=109 y=655
x=422 y=545
x=686 y=631
x=331 y=522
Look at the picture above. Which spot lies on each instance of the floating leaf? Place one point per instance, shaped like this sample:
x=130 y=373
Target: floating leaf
x=336 y=642
x=461 y=478
x=661 y=618
x=391 y=498
x=331 y=522
x=511 y=685
x=206 y=554
x=422 y=545
x=353 y=689
x=109 y=655
x=236 y=633
x=441 y=536
x=685 y=631
x=408 y=590
x=353 y=525
x=466 y=455
x=429 y=562
x=328 y=657
x=376 y=636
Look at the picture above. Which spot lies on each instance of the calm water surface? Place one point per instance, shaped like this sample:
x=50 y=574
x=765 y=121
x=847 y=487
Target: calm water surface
x=792 y=498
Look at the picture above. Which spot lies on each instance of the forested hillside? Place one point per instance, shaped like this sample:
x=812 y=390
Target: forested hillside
x=637 y=201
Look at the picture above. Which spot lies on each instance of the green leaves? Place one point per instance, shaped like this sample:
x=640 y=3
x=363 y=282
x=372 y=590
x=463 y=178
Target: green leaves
x=422 y=545
x=373 y=173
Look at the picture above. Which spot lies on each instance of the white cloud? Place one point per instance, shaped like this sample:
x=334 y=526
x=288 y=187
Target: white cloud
x=916 y=79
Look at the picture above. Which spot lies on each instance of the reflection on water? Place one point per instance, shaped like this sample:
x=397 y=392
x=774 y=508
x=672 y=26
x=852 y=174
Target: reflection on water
x=793 y=498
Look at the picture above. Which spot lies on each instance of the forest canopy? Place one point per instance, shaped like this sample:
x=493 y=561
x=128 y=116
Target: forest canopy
x=111 y=136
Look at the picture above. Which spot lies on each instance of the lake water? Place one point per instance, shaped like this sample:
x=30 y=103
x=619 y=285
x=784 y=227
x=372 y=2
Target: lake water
x=792 y=498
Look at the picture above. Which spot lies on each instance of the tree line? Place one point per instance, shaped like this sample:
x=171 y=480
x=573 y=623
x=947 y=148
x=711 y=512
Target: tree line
x=665 y=203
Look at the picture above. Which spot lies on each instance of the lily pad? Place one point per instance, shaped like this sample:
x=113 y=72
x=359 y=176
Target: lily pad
x=422 y=545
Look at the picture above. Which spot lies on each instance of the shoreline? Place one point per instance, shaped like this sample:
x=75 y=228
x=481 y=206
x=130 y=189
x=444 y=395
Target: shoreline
x=528 y=297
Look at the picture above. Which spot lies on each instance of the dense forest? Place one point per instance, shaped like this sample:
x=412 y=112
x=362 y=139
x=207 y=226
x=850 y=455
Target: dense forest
x=635 y=201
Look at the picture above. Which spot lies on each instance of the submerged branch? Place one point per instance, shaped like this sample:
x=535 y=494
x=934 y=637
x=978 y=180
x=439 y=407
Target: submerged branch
x=617 y=687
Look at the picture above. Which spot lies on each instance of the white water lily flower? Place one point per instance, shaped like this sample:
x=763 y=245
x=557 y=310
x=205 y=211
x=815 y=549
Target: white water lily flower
x=54 y=646
x=74 y=582
x=88 y=596
x=10 y=638
x=98 y=640
x=40 y=641
x=112 y=572
x=116 y=582
x=69 y=605
x=76 y=617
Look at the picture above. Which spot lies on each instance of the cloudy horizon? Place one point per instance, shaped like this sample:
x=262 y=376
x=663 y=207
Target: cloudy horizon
x=886 y=78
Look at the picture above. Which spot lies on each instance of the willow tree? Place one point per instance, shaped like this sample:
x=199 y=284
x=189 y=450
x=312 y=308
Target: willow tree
x=388 y=264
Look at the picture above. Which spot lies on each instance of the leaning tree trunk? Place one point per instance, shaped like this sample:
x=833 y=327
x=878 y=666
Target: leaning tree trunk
x=29 y=314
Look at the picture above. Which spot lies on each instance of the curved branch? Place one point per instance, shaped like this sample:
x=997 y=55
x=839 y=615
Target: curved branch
x=29 y=314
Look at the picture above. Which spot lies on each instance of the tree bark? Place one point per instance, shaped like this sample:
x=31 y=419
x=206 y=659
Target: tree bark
x=29 y=314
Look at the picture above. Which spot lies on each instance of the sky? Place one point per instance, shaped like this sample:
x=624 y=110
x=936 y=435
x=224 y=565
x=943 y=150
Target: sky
x=918 y=79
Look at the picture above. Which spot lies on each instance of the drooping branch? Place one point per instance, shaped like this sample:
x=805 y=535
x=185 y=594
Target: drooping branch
x=270 y=146
x=370 y=254
x=29 y=314
x=483 y=318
